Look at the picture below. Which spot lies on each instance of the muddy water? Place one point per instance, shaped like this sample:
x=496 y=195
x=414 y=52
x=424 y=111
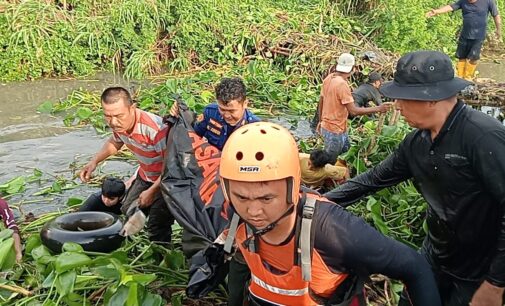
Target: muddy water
x=30 y=140
x=492 y=69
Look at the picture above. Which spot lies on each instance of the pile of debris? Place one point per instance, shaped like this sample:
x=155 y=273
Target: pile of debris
x=485 y=92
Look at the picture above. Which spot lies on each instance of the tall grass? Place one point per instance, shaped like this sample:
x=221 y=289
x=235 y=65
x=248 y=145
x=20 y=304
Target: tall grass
x=140 y=37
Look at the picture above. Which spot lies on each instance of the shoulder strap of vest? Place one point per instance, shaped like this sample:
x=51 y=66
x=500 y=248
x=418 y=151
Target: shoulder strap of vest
x=305 y=238
x=252 y=242
x=232 y=231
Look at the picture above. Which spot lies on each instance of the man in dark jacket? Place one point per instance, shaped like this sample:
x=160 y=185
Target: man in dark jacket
x=455 y=157
x=368 y=91
x=109 y=199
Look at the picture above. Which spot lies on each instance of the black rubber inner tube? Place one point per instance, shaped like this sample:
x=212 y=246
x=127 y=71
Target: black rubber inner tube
x=94 y=231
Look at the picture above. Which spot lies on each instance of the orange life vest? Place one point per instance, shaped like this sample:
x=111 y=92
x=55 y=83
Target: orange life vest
x=288 y=288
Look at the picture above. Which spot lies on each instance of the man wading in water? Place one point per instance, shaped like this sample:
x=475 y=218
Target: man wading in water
x=335 y=104
x=145 y=135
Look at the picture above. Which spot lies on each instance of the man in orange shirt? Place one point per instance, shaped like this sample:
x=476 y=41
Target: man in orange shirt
x=335 y=104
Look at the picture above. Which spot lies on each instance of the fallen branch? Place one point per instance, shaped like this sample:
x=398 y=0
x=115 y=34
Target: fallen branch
x=16 y=289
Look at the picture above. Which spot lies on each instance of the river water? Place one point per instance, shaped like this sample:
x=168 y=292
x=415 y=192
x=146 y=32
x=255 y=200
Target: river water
x=31 y=140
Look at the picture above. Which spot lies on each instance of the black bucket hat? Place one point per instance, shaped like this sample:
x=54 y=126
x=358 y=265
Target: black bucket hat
x=424 y=76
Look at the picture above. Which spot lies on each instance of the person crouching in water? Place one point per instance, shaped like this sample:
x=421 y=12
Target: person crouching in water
x=318 y=171
x=109 y=199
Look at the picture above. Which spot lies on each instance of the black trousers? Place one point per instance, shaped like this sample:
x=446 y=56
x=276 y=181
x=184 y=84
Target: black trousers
x=453 y=291
x=238 y=280
x=469 y=48
x=159 y=223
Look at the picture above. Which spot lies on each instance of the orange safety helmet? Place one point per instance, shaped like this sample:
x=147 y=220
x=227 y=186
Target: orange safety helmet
x=260 y=152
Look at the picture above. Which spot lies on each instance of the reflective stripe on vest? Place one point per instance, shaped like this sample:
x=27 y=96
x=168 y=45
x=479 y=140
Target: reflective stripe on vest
x=288 y=292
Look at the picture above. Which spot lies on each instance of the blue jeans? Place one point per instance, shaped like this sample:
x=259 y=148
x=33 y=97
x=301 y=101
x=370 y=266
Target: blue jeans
x=335 y=144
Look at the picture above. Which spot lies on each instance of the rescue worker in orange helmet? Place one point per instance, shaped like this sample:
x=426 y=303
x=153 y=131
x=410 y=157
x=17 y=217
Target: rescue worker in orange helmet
x=301 y=248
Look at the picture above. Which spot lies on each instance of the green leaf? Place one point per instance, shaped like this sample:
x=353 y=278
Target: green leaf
x=37 y=173
x=425 y=227
x=72 y=247
x=70 y=260
x=133 y=299
x=73 y=202
x=370 y=203
x=74 y=299
x=65 y=282
x=174 y=259
x=142 y=279
x=84 y=113
x=41 y=255
x=379 y=223
x=6 y=233
x=397 y=287
x=49 y=303
x=6 y=250
x=32 y=242
x=121 y=256
x=176 y=300
x=56 y=187
x=49 y=280
x=119 y=297
x=46 y=107
x=84 y=279
x=152 y=300
x=16 y=185
x=106 y=272
x=206 y=96
x=389 y=130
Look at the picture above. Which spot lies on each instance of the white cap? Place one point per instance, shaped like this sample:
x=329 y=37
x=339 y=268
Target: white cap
x=345 y=62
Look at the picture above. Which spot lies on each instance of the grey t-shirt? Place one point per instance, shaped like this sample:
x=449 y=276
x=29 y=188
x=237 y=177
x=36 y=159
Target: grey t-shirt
x=366 y=93
x=475 y=17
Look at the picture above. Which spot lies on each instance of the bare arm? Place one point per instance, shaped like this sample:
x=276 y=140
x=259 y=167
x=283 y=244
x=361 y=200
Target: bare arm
x=109 y=148
x=440 y=10
x=17 y=246
x=146 y=198
x=497 y=23
x=357 y=111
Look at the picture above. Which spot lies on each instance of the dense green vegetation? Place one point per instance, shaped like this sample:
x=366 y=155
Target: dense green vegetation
x=281 y=49
x=56 y=38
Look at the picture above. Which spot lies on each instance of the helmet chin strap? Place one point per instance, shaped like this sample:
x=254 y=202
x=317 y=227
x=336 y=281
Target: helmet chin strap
x=268 y=228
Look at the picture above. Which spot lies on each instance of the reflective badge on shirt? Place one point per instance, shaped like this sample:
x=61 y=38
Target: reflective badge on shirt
x=214 y=130
x=215 y=123
x=200 y=118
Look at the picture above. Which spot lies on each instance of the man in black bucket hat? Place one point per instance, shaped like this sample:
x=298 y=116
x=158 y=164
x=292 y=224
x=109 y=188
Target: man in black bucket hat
x=456 y=159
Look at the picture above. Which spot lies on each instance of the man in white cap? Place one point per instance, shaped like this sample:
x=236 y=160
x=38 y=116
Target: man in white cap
x=335 y=104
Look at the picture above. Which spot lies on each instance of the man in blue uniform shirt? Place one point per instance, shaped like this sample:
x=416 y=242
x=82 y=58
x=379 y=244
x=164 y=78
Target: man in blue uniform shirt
x=220 y=119
x=216 y=124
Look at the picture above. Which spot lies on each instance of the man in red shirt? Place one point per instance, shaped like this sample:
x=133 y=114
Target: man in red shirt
x=145 y=135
